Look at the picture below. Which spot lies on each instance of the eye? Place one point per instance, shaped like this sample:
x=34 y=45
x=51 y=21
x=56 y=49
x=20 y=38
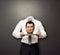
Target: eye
x=31 y=26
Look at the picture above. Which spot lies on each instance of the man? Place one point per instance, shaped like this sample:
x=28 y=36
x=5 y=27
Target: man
x=38 y=30
x=31 y=47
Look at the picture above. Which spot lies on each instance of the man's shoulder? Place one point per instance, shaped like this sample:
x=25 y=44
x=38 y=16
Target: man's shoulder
x=22 y=21
x=37 y=21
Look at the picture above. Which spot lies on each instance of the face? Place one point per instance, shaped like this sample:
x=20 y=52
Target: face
x=29 y=28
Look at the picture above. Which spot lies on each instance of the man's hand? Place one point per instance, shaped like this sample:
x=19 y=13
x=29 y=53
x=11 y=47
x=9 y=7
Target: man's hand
x=21 y=34
x=38 y=34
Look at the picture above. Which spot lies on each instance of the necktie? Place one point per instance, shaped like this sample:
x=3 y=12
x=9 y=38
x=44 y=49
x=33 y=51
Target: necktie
x=29 y=39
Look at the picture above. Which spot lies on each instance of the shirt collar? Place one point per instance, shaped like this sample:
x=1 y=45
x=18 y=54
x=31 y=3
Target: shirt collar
x=30 y=18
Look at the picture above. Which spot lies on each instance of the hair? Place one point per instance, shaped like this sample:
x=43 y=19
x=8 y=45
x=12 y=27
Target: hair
x=30 y=22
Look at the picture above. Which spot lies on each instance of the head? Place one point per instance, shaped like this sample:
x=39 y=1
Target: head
x=29 y=27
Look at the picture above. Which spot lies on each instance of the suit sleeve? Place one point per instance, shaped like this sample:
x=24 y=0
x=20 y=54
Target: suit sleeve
x=16 y=32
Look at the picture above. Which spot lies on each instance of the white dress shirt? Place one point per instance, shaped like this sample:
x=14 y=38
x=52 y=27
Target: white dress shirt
x=38 y=28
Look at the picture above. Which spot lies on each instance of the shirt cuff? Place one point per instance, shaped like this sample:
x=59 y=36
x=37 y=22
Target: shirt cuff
x=43 y=34
x=16 y=35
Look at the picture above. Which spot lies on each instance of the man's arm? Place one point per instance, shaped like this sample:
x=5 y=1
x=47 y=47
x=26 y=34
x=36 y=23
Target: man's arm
x=41 y=30
x=16 y=32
